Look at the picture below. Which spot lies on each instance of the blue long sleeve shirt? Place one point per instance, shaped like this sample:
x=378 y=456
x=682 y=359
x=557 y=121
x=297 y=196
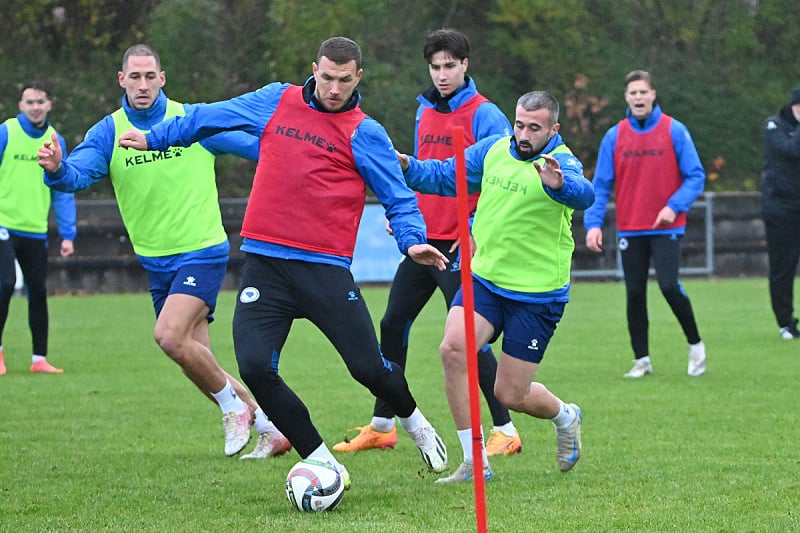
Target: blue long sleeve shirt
x=432 y=176
x=691 y=169
x=62 y=203
x=89 y=161
x=252 y=111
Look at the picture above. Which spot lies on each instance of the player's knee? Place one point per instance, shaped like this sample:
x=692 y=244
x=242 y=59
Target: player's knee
x=636 y=294
x=7 y=286
x=394 y=329
x=368 y=375
x=255 y=370
x=509 y=398
x=671 y=291
x=452 y=354
x=388 y=324
x=169 y=341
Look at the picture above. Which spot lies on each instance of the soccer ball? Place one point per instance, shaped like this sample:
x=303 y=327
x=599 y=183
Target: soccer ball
x=314 y=484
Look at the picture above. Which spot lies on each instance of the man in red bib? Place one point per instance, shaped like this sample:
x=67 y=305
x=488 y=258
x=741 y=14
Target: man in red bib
x=319 y=152
x=651 y=162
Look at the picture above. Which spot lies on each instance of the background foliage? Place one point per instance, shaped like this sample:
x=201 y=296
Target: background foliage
x=721 y=66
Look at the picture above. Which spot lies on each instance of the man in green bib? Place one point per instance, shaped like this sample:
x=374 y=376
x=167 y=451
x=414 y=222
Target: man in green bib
x=176 y=230
x=24 y=208
x=530 y=184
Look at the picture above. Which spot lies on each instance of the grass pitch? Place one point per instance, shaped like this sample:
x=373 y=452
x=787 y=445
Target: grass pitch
x=123 y=442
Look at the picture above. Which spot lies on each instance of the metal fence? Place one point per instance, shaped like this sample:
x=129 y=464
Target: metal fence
x=705 y=204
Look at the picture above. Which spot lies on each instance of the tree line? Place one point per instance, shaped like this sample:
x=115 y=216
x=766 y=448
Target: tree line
x=720 y=66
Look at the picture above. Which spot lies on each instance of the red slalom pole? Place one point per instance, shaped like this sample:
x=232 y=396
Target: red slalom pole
x=462 y=199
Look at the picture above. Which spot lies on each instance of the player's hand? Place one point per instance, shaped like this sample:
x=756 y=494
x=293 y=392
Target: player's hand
x=67 y=248
x=403 y=158
x=594 y=240
x=425 y=254
x=50 y=154
x=665 y=217
x=389 y=229
x=133 y=139
x=550 y=173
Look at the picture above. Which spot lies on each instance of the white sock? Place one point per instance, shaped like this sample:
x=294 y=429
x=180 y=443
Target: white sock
x=566 y=415
x=465 y=438
x=384 y=425
x=506 y=429
x=262 y=424
x=36 y=358
x=227 y=399
x=323 y=452
x=415 y=421
x=645 y=359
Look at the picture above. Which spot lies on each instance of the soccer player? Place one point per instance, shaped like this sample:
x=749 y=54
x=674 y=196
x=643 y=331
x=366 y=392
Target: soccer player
x=452 y=100
x=176 y=230
x=651 y=161
x=319 y=152
x=530 y=184
x=24 y=207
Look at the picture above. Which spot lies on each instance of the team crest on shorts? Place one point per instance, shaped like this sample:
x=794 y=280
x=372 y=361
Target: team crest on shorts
x=3 y=234
x=249 y=295
x=623 y=244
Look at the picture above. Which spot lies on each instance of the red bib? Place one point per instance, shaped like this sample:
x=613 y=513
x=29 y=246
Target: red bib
x=646 y=175
x=307 y=192
x=435 y=141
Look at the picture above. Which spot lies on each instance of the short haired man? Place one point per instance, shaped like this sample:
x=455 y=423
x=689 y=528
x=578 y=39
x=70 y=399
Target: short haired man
x=530 y=184
x=176 y=230
x=25 y=204
x=651 y=161
x=319 y=151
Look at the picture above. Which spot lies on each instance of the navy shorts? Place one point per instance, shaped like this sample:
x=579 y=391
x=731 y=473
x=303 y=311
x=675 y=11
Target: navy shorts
x=526 y=327
x=201 y=280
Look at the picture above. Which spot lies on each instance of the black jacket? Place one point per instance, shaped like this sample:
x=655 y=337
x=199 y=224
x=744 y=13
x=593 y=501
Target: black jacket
x=781 y=175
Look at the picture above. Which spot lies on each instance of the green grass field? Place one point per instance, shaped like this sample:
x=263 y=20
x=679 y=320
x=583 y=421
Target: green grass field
x=123 y=442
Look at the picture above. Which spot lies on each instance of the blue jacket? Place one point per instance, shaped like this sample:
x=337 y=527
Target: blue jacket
x=432 y=176
x=252 y=111
x=89 y=161
x=63 y=204
x=691 y=169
